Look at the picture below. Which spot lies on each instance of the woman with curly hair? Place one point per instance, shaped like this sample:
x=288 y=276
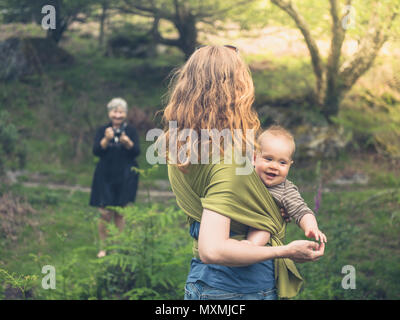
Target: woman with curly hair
x=213 y=92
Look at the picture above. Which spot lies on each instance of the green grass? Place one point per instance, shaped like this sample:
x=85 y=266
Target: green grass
x=362 y=231
x=57 y=212
x=69 y=173
x=66 y=236
x=362 y=226
x=280 y=78
x=362 y=222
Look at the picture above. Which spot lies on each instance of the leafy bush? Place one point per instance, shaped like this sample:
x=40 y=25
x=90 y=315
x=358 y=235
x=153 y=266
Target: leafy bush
x=12 y=150
x=374 y=122
x=130 y=41
x=15 y=214
x=22 y=284
x=150 y=258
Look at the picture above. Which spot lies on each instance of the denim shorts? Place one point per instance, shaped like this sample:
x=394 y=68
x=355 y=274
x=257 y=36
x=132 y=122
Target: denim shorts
x=200 y=291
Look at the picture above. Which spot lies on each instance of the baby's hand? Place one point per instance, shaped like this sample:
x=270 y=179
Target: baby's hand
x=316 y=234
x=285 y=216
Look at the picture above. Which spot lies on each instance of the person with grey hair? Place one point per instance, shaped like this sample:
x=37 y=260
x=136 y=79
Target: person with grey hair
x=114 y=183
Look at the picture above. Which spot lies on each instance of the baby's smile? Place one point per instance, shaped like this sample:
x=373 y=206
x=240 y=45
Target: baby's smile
x=270 y=179
x=273 y=161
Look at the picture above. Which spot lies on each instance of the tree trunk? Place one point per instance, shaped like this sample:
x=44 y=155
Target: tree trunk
x=186 y=26
x=317 y=64
x=57 y=33
x=103 y=18
x=341 y=79
x=61 y=24
x=187 y=34
x=333 y=93
x=333 y=97
x=155 y=38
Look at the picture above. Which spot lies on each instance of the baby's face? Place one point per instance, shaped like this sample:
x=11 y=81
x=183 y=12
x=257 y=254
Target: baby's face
x=273 y=162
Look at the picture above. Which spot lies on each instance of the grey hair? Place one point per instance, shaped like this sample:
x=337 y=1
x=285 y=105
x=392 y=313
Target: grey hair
x=117 y=103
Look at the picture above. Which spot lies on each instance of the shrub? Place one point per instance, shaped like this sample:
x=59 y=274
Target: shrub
x=12 y=150
x=15 y=214
x=130 y=41
x=150 y=258
x=374 y=122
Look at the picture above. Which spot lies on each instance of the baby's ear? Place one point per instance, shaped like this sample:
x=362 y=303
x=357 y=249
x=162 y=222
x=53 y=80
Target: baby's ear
x=253 y=160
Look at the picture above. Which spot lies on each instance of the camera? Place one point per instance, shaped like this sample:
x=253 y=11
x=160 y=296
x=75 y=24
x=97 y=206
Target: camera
x=118 y=132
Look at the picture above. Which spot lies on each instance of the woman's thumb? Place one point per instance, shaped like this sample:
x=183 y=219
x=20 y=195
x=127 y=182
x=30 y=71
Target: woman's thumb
x=313 y=245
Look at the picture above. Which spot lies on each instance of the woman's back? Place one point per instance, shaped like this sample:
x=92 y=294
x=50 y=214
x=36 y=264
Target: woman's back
x=195 y=190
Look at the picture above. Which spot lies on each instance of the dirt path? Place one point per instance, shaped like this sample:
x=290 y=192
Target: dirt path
x=53 y=186
x=12 y=176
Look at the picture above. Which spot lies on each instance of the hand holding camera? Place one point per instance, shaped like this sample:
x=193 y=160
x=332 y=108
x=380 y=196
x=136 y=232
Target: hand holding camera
x=117 y=137
x=128 y=143
x=109 y=134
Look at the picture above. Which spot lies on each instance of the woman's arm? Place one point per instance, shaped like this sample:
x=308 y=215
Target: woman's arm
x=104 y=143
x=126 y=141
x=216 y=247
x=133 y=147
x=100 y=143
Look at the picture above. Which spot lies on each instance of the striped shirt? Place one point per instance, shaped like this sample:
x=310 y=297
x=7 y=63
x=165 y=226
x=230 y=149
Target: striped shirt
x=287 y=196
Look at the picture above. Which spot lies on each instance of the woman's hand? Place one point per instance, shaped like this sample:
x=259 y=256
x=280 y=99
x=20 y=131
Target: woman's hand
x=109 y=134
x=304 y=250
x=128 y=143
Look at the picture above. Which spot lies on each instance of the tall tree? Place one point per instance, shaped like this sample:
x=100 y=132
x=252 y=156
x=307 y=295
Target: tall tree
x=105 y=5
x=67 y=11
x=185 y=16
x=373 y=25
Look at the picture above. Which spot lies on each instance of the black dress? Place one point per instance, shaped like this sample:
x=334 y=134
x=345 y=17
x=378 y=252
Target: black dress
x=114 y=183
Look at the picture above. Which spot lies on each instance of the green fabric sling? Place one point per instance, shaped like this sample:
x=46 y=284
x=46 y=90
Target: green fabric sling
x=242 y=198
